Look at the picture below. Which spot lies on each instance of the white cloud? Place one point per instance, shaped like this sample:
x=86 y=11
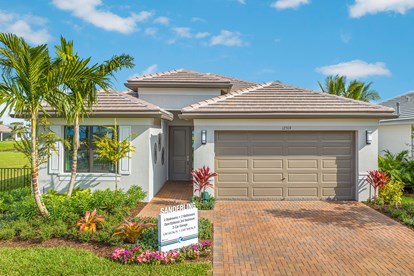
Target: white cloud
x=227 y=38
x=150 y=31
x=243 y=2
x=355 y=69
x=150 y=70
x=184 y=32
x=345 y=37
x=289 y=4
x=162 y=20
x=31 y=28
x=363 y=7
x=90 y=11
x=201 y=35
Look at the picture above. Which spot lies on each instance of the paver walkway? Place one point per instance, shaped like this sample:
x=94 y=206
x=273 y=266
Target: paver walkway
x=309 y=238
x=172 y=193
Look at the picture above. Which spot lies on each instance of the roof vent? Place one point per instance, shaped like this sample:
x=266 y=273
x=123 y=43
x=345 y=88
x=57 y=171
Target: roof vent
x=398 y=108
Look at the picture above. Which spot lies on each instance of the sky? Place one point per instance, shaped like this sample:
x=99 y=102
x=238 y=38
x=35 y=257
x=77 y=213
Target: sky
x=298 y=42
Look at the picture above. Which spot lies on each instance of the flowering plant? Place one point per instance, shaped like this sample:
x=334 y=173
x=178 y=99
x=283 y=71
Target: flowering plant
x=138 y=255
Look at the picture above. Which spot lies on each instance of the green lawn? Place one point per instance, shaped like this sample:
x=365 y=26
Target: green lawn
x=10 y=158
x=6 y=145
x=70 y=261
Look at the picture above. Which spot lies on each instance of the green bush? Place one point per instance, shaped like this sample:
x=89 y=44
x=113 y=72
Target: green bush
x=205 y=229
x=392 y=192
x=7 y=233
x=19 y=216
x=200 y=205
x=398 y=166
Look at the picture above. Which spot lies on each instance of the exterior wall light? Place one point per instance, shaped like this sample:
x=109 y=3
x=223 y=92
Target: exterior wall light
x=369 y=137
x=204 y=137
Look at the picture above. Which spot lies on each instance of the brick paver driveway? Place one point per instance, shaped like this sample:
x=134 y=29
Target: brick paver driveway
x=309 y=238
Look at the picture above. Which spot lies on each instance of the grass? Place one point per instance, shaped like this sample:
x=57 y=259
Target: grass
x=13 y=159
x=6 y=145
x=10 y=158
x=70 y=261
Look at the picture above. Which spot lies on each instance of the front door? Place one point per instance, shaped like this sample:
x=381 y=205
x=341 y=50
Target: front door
x=181 y=153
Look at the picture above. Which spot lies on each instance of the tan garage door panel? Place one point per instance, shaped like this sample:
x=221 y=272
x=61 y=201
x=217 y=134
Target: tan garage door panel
x=285 y=165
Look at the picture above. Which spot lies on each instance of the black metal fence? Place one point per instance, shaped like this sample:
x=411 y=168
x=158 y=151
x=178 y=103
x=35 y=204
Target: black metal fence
x=13 y=178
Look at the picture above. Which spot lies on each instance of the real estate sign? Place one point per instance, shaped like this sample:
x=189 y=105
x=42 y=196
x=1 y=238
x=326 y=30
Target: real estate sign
x=177 y=227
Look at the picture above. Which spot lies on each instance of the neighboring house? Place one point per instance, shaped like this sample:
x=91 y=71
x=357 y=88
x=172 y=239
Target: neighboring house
x=5 y=132
x=396 y=134
x=266 y=141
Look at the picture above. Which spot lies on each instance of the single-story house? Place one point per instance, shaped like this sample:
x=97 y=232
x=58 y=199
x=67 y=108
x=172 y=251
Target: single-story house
x=396 y=134
x=268 y=141
x=5 y=132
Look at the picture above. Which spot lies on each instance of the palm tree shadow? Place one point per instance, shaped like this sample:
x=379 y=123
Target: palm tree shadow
x=349 y=215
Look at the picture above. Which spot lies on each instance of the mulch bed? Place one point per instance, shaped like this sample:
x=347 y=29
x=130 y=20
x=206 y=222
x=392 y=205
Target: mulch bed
x=136 y=210
x=379 y=209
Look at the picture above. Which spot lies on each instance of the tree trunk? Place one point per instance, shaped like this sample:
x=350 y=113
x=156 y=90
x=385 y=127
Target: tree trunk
x=35 y=168
x=116 y=176
x=75 y=147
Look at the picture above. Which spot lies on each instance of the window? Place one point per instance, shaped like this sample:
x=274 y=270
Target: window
x=87 y=157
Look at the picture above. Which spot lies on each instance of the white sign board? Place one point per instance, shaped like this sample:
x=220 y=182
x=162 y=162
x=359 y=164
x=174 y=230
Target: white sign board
x=177 y=227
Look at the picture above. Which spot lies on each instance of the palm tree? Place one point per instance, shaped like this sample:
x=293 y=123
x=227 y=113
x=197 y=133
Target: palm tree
x=30 y=77
x=81 y=96
x=334 y=85
x=357 y=90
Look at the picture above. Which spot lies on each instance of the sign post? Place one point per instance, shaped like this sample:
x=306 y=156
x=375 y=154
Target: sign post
x=177 y=227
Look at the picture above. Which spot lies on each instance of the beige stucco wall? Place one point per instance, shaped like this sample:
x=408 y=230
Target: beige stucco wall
x=176 y=98
x=143 y=171
x=394 y=138
x=367 y=155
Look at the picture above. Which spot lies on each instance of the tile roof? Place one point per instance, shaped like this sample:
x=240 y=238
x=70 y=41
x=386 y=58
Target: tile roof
x=238 y=84
x=4 y=129
x=116 y=102
x=180 y=75
x=188 y=78
x=277 y=98
x=406 y=109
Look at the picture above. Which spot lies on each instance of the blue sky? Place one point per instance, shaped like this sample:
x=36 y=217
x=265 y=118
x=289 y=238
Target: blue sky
x=295 y=41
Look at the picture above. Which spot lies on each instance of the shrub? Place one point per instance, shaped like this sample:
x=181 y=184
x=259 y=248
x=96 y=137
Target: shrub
x=149 y=239
x=85 y=236
x=45 y=232
x=19 y=216
x=392 y=192
x=398 y=166
x=205 y=229
x=201 y=179
x=200 y=205
x=90 y=222
x=7 y=233
x=131 y=230
x=377 y=180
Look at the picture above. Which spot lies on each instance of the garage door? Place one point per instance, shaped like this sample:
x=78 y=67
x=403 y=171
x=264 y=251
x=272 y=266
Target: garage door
x=284 y=165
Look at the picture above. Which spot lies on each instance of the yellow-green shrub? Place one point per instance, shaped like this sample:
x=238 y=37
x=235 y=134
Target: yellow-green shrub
x=392 y=192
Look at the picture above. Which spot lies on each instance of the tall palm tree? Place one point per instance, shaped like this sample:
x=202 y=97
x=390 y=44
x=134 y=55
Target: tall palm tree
x=81 y=95
x=357 y=90
x=30 y=77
